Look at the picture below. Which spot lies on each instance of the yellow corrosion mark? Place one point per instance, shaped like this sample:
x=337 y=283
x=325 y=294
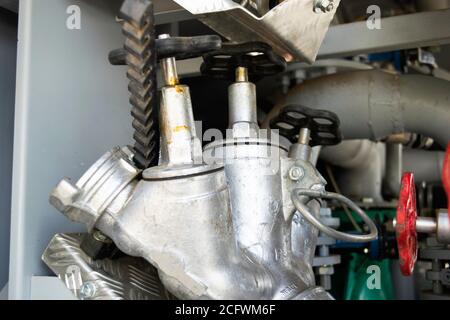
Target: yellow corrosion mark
x=172 y=81
x=179 y=89
x=180 y=128
x=241 y=74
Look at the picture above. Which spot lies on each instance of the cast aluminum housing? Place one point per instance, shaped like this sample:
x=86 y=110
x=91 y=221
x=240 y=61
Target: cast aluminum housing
x=220 y=228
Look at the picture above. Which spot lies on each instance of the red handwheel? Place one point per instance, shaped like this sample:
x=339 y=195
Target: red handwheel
x=405 y=227
x=446 y=176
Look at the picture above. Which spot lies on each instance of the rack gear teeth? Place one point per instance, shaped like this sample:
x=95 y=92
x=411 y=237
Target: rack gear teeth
x=138 y=27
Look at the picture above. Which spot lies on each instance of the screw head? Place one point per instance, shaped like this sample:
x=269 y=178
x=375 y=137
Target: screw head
x=100 y=236
x=87 y=290
x=274 y=206
x=296 y=173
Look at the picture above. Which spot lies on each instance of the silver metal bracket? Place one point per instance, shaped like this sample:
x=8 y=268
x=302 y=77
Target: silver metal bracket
x=294 y=28
x=125 y=278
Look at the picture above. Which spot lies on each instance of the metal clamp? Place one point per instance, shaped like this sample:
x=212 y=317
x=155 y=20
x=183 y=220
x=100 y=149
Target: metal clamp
x=310 y=217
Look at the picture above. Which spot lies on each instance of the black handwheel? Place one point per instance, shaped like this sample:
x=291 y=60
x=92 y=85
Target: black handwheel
x=324 y=125
x=180 y=48
x=258 y=57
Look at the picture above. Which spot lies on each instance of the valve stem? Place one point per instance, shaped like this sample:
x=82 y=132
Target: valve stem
x=241 y=74
x=169 y=67
x=304 y=136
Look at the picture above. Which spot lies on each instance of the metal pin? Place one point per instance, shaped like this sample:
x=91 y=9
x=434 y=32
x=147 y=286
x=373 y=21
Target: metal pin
x=241 y=74
x=426 y=225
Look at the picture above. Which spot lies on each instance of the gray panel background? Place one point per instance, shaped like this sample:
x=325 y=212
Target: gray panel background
x=8 y=48
x=71 y=107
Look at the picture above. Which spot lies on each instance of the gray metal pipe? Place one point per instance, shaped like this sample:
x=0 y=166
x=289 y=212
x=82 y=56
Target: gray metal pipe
x=349 y=154
x=362 y=164
x=426 y=165
x=374 y=104
x=352 y=154
x=363 y=167
x=428 y=5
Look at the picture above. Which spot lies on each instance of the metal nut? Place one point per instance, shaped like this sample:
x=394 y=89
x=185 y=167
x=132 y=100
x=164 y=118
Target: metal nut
x=296 y=173
x=325 y=270
x=87 y=290
x=100 y=236
x=323 y=6
x=62 y=197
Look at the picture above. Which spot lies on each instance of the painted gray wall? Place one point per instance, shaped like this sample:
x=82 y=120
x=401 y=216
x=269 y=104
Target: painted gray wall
x=71 y=107
x=8 y=49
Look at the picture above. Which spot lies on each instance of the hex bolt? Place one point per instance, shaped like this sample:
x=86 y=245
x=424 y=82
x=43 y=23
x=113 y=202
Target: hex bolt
x=296 y=173
x=323 y=6
x=100 y=236
x=87 y=290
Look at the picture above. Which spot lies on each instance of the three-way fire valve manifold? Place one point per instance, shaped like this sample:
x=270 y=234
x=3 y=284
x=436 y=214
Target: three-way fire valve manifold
x=216 y=220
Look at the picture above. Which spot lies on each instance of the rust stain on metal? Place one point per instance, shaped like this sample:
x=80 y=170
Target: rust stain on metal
x=165 y=128
x=172 y=81
x=180 y=128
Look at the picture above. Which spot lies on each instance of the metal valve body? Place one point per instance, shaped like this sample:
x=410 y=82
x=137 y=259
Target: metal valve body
x=216 y=225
